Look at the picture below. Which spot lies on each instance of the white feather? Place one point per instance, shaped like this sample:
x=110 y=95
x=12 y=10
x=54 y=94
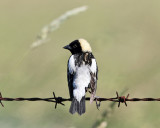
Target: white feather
x=81 y=80
x=71 y=65
x=93 y=67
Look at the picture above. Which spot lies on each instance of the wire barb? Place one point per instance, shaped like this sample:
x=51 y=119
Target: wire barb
x=1 y=100
x=58 y=100
x=121 y=99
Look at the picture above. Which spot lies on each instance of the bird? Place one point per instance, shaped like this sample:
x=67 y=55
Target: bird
x=82 y=74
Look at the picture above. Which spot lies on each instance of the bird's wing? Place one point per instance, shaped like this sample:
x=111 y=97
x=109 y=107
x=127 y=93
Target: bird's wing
x=70 y=74
x=70 y=83
x=94 y=78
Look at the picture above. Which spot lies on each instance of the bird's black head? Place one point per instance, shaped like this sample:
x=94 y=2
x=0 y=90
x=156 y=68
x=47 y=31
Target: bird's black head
x=78 y=46
x=74 y=47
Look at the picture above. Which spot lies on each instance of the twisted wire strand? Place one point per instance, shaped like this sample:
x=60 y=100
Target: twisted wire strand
x=61 y=100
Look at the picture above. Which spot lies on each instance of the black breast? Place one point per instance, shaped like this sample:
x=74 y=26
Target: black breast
x=85 y=58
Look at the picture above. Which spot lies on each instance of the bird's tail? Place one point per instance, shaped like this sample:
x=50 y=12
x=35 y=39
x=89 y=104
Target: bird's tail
x=77 y=106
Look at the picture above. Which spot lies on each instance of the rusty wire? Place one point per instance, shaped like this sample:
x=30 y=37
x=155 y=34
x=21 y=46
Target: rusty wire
x=60 y=100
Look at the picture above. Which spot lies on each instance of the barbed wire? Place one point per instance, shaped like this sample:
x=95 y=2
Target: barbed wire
x=61 y=100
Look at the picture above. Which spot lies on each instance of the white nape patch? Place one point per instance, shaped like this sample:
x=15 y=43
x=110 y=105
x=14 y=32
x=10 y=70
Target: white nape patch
x=71 y=65
x=85 y=45
x=81 y=80
x=93 y=67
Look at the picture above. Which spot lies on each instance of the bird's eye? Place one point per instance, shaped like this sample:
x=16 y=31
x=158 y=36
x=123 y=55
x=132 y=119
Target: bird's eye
x=74 y=46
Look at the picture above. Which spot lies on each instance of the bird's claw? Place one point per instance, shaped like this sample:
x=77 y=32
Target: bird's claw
x=98 y=103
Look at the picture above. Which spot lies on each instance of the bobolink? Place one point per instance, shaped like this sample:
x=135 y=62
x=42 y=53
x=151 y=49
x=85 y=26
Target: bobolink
x=82 y=72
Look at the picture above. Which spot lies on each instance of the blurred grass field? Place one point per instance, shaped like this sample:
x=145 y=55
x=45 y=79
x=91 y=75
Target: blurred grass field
x=125 y=40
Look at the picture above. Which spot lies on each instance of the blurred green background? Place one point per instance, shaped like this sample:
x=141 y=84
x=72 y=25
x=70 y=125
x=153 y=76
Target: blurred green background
x=124 y=35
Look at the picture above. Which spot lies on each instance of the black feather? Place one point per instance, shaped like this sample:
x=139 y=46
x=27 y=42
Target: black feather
x=77 y=106
x=70 y=82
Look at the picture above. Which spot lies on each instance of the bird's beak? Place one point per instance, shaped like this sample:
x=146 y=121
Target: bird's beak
x=67 y=47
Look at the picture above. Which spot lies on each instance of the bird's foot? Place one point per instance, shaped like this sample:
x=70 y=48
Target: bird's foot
x=98 y=103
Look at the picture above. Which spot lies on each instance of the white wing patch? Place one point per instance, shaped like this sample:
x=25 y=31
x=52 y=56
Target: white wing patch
x=71 y=65
x=93 y=67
